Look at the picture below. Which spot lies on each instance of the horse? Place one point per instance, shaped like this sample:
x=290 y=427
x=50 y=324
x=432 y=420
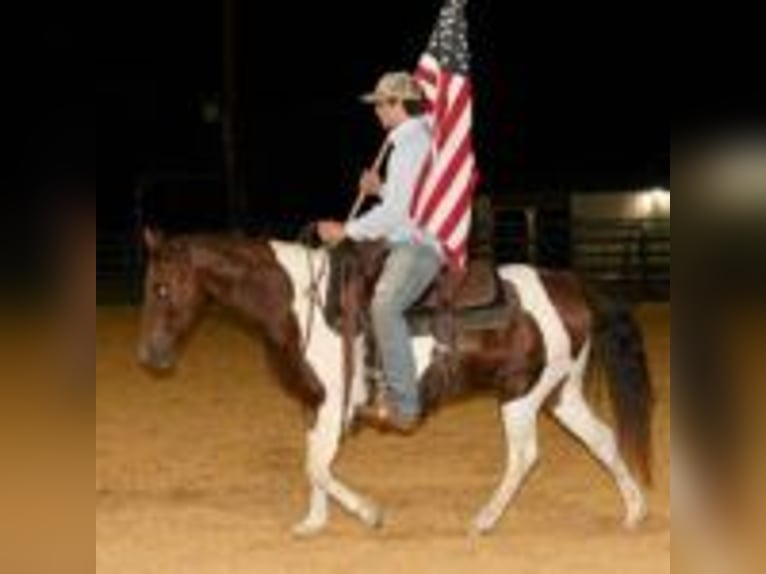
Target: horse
x=537 y=361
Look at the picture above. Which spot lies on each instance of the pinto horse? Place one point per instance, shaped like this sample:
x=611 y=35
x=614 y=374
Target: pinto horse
x=537 y=361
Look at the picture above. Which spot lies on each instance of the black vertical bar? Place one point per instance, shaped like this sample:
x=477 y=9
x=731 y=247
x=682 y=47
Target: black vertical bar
x=234 y=190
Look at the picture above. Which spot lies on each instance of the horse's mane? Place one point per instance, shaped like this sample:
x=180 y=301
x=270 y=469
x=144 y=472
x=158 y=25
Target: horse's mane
x=238 y=259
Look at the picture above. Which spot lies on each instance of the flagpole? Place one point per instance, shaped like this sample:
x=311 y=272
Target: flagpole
x=375 y=168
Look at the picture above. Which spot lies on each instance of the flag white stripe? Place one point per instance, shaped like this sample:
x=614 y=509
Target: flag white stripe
x=429 y=64
x=460 y=233
x=444 y=158
x=452 y=197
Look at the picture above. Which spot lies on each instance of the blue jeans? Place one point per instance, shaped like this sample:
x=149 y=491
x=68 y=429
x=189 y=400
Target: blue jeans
x=408 y=271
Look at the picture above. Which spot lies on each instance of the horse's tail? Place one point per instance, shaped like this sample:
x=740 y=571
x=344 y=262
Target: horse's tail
x=619 y=348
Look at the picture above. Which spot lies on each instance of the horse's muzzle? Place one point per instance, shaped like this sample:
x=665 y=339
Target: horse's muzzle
x=155 y=356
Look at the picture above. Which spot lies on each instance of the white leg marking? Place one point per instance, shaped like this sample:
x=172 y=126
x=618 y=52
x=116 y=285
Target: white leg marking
x=323 y=444
x=520 y=416
x=520 y=422
x=317 y=515
x=576 y=415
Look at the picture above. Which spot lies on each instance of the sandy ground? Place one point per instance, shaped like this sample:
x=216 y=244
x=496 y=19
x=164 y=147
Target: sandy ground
x=201 y=472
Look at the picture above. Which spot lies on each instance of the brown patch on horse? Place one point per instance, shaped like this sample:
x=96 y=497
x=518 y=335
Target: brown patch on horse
x=505 y=361
x=244 y=276
x=247 y=276
x=354 y=270
x=295 y=374
x=568 y=297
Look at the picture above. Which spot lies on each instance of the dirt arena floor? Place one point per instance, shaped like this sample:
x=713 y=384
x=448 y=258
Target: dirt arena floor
x=201 y=473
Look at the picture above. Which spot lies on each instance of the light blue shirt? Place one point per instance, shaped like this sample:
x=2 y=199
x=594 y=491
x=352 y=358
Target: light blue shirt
x=390 y=219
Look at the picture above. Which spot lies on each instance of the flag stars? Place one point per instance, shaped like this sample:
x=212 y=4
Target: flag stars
x=449 y=42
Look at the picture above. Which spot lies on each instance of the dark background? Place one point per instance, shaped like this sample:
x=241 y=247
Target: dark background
x=566 y=98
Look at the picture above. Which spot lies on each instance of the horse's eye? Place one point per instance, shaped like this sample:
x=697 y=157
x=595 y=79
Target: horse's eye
x=162 y=291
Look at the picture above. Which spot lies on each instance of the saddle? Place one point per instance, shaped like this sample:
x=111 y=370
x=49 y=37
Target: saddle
x=472 y=299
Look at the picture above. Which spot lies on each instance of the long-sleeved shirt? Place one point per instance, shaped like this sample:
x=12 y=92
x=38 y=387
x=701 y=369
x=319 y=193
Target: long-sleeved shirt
x=390 y=219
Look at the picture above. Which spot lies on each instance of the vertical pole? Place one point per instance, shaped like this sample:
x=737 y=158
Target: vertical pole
x=234 y=192
x=531 y=216
x=643 y=256
x=138 y=243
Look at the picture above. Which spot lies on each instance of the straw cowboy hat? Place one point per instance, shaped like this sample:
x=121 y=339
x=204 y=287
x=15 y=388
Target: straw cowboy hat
x=394 y=86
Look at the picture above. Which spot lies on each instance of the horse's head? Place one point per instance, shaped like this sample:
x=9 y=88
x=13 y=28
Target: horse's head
x=173 y=296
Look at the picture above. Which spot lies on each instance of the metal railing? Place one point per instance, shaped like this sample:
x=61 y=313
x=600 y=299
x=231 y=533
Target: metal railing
x=118 y=268
x=627 y=256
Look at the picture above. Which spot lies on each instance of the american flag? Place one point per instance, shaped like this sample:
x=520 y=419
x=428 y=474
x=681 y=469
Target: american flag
x=442 y=200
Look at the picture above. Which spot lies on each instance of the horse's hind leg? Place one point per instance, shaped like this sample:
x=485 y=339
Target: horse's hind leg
x=576 y=415
x=323 y=444
x=520 y=423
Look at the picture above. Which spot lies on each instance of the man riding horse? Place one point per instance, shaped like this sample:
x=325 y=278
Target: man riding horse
x=415 y=255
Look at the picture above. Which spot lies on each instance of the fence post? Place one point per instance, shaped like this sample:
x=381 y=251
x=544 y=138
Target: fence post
x=643 y=258
x=138 y=242
x=530 y=213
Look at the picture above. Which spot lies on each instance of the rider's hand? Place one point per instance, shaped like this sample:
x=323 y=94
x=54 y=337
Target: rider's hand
x=331 y=232
x=369 y=182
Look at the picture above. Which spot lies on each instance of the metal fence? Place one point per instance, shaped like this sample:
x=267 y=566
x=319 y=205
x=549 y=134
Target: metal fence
x=626 y=256
x=118 y=267
x=629 y=257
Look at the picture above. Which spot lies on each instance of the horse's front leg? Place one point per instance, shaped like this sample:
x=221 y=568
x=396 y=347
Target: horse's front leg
x=323 y=442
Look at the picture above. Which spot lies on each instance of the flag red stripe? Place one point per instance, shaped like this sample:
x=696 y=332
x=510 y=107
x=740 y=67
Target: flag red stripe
x=454 y=113
x=442 y=103
x=426 y=75
x=446 y=178
x=460 y=210
x=456 y=256
x=421 y=183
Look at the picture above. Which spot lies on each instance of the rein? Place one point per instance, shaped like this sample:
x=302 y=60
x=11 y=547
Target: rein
x=313 y=291
x=349 y=308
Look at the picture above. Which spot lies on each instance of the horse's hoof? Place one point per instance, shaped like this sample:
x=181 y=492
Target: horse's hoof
x=373 y=517
x=475 y=531
x=635 y=517
x=481 y=526
x=636 y=510
x=307 y=529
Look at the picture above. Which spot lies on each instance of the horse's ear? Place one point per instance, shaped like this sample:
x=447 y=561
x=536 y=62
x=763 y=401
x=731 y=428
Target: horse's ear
x=153 y=238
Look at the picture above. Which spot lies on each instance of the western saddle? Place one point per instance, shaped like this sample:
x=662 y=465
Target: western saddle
x=472 y=299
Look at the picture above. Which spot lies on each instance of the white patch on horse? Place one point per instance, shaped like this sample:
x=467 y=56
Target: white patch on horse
x=534 y=299
x=574 y=413
x=520 y=424
x=323 y=352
